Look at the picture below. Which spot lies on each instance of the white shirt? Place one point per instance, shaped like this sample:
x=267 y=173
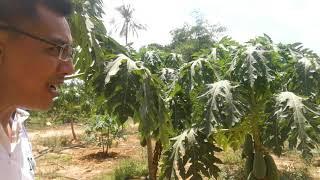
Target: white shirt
x=16 y=159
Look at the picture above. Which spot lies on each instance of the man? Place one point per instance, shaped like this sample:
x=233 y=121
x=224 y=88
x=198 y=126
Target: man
x=35 y=56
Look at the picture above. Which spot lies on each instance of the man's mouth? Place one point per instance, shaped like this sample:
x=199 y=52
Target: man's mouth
x=53 y=88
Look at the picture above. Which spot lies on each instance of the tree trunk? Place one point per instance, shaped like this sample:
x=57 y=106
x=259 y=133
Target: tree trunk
x=150 y=159
x=102 y=145
x=108 y=139
x=156 y=157
x=127 y=29
x=73 y=132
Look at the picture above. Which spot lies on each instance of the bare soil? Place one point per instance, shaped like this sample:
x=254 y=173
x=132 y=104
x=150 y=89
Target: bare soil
x=81 y=162
x=84 y=162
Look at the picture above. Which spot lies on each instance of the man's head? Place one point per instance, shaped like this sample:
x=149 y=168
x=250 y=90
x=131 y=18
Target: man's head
x=35 y=52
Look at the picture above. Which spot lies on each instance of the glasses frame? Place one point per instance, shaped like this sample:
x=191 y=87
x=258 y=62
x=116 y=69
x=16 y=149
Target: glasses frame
x=61 y=47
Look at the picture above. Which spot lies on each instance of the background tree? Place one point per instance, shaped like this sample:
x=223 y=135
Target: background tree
x=129 y=24
x=190 y=39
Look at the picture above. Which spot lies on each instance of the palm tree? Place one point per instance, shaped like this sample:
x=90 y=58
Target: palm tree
x=129 y=24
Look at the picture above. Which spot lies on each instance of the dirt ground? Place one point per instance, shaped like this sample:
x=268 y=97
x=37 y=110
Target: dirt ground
x=84 y=162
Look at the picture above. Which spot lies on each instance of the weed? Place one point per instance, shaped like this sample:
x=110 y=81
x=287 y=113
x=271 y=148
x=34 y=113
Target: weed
x=295 y=173
x=49 y=164
x=55 y=142
x=130 y=168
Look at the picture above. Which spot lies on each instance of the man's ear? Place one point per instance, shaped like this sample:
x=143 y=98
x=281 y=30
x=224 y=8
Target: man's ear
x=3 y=40
x=1 y=52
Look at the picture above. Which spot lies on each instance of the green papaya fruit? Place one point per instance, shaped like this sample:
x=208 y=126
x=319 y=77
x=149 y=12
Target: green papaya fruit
x=249 y=164
x=259 y=166
x=272 y=170
x=247 y=146
x=251 y=177
x=143 y=142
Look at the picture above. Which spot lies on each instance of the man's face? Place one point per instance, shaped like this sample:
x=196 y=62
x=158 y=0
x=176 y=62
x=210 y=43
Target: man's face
x=30 y=70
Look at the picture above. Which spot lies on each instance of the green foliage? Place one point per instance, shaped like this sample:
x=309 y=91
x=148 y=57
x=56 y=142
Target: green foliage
x=152 y=61
x=233 y=137
x=173 y=60
x=73 y=103
x=197 y=73
x=221 y=106
x=243 y=102
x=93 y=46
x=103 y=129
x=303 y=76
x=294 y=121
x=131 y=91
x=250 y=66
x=268 y=90
x=54 y=142
x=192 y=155
x=190 y=39
x=295 y=173
x=129 y=169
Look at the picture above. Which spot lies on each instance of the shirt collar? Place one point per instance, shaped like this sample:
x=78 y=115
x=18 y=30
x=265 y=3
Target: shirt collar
x=21 y=115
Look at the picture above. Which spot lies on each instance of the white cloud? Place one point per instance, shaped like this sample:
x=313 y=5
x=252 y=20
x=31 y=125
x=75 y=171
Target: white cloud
x=285 y=21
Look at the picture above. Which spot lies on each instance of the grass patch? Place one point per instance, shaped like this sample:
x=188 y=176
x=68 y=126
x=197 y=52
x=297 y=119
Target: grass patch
x=105 y=176
x=51 y=175
x=127 y=169
x=49 y=165
x=295 y=173
x=130 y=168
x=54 y=142
x=54 y=158
x=230 y=156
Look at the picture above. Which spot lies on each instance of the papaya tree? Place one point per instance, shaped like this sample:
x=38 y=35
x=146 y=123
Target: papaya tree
x=130 y=90
x=103 y=129
x=262 y=92
x=123 y=87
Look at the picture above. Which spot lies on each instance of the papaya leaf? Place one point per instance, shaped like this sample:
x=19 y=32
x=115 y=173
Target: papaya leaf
x=306 y=75
x=294 y=121
x=152 y=60
x=192 y=155
x=221 y=106
x=167 y=75
x=196 y=73
x=174 y=61
x=113 y=67
x=251 y=64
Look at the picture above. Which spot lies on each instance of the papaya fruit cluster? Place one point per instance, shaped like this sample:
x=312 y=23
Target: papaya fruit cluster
x=257 y=165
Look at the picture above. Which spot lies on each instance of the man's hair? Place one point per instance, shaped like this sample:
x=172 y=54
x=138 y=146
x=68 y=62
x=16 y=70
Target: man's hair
x=13 y=11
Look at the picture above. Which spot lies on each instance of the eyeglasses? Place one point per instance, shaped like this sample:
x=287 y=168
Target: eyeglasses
x=65 y=52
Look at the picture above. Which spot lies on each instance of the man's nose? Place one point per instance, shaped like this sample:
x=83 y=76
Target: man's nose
x=66 y=68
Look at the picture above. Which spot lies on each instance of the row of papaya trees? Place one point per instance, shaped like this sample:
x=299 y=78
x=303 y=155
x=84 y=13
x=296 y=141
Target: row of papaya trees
x=258 y=95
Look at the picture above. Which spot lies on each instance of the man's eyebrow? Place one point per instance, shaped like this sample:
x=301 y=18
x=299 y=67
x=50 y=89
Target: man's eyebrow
x=59 y=41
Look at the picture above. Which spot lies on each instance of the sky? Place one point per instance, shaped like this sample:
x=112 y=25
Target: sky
x=285 y=21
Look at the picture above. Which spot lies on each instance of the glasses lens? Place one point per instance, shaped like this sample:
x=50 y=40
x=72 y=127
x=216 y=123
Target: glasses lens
x=66 y=52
